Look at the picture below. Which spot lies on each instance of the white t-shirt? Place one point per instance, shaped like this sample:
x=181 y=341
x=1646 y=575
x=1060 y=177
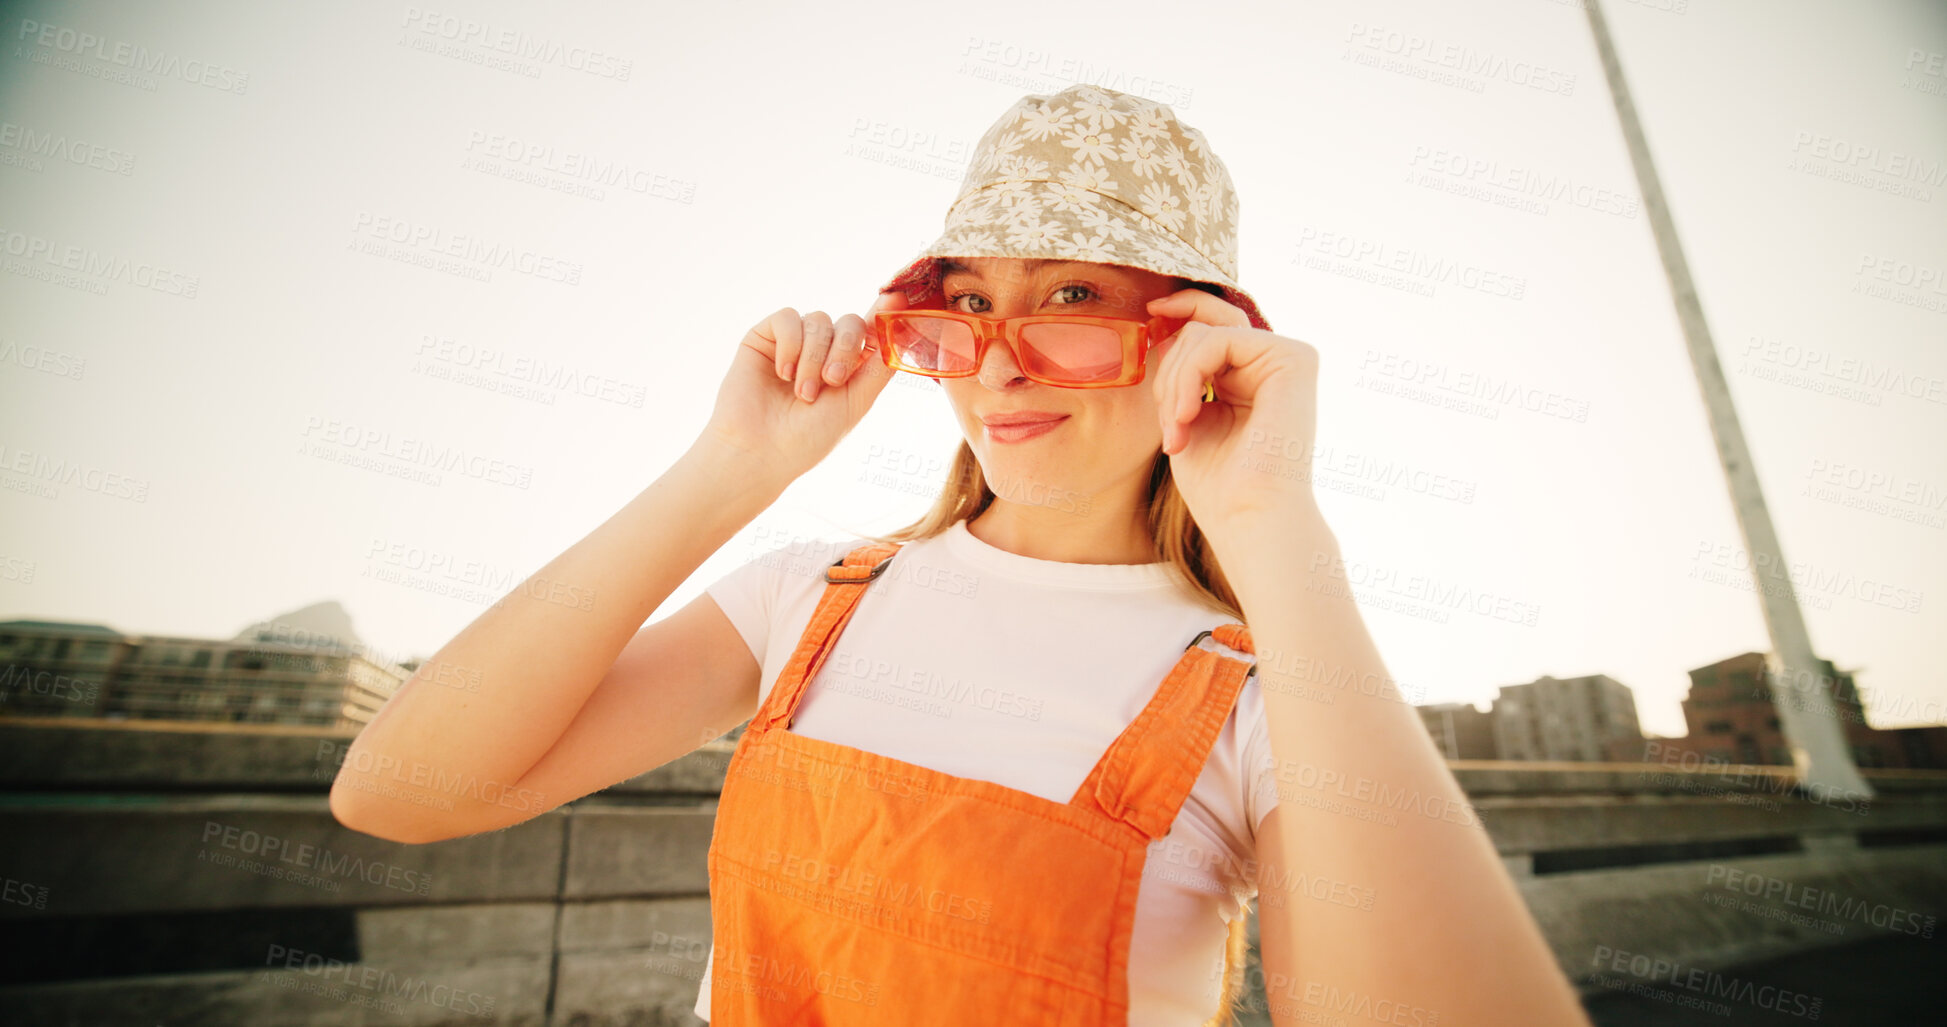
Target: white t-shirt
x=981 y=663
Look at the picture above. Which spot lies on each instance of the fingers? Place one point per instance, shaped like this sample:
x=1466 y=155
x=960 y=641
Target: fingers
x=811 y=362
x=1198 y=357
x=886 y=301
x=1198 y=305
x=848 y=343
x=1192 y=358
x=814 y=352
x=785 y=330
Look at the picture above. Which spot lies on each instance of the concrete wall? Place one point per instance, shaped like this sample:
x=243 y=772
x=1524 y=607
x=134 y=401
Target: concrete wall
x=179 y=877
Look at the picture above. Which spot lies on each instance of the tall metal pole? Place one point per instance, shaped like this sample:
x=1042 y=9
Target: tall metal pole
x=1800 y=688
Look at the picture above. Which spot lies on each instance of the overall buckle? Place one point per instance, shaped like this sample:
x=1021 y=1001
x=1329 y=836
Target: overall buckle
x=840 y=562
x=1206 y=633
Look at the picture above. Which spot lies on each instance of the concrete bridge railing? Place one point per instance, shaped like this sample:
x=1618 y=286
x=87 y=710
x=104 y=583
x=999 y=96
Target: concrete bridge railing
x=190 y=875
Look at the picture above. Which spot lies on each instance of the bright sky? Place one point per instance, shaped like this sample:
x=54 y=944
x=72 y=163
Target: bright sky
x=221 y=325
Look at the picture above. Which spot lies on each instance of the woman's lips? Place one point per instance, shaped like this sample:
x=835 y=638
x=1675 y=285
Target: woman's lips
x=1023 y=432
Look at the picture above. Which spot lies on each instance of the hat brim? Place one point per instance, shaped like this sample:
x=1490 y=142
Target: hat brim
x=1065 y=224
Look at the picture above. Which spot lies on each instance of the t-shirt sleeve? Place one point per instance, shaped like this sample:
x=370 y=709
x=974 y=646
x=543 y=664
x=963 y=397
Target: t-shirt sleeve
x=748 y=595
x=1261 y=767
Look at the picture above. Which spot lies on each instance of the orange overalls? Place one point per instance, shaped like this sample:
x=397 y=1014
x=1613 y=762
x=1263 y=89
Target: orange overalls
x=848 y=887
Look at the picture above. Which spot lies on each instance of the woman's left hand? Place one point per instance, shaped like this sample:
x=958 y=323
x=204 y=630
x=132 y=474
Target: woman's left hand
x=1249 y=451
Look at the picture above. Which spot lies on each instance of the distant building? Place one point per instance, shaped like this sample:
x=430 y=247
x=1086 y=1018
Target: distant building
x=1733 y=717
x=1589 y=719
x=275 y=672
x=1460 y=730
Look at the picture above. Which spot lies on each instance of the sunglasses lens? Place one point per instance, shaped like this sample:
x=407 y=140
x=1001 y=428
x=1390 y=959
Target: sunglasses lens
x=933 y=344
x=1077 y=353
x=1069 y=354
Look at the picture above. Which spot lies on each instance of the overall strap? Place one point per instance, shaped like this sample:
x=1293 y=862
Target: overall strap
x=1150 y=769
x=847 y=579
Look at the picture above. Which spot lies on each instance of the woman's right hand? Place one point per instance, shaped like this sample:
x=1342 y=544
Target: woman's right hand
x=761 y=407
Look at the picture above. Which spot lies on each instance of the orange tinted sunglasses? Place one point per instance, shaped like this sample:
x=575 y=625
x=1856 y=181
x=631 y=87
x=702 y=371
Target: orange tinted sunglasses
x=1070 y=351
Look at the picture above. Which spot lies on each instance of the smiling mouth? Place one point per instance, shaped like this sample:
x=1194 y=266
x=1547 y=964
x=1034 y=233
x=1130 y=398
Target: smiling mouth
x=1021 y=431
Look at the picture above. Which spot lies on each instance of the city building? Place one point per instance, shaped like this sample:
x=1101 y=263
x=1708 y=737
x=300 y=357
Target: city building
x=304 y=668
x=1733 y=717
x=1461 y=730
x=1588 y=719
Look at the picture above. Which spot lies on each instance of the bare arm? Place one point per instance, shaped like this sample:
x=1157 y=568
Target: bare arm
x=558 y=690
x=465 y=734
x=1379 y=891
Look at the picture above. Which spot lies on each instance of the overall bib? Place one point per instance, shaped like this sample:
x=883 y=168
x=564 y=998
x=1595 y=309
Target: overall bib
x=848 y=887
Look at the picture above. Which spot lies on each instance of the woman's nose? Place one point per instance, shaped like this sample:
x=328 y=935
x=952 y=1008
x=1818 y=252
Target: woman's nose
x=998 y=369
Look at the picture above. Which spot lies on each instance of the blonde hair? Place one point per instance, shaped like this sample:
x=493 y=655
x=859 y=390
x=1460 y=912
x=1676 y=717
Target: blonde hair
x=1176 y=540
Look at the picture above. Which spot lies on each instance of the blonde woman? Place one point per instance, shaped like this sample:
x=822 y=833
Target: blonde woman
x=1021 y=761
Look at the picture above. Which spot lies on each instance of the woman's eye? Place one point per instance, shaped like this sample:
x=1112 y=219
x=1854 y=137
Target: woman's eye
x=1085 y=289
x=1086 y=293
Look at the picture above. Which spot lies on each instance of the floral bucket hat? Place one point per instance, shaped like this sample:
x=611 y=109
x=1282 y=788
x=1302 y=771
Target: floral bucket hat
x=1092 y=174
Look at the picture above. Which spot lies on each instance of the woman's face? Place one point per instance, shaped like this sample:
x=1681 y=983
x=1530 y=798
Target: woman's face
x=1101 y=440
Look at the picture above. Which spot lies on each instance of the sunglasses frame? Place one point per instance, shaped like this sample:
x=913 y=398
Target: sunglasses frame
x=1138 y=338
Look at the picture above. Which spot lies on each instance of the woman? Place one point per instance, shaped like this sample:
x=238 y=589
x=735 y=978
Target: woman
x=1014 y=763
